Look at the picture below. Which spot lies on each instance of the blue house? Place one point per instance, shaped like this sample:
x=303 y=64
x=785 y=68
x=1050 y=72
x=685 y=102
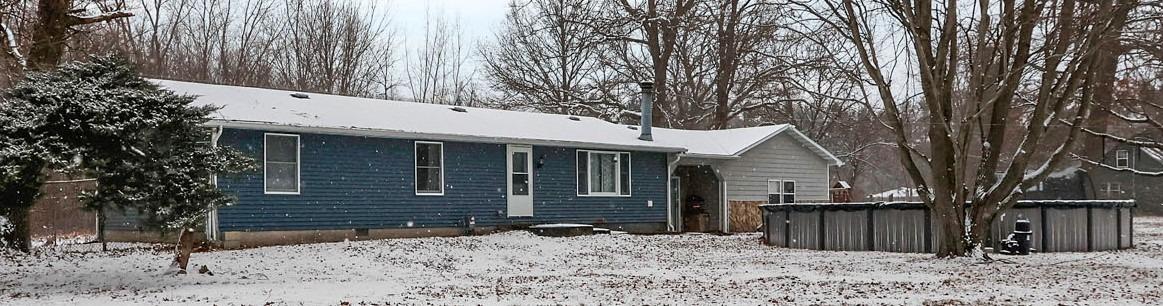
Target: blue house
x=336 y=167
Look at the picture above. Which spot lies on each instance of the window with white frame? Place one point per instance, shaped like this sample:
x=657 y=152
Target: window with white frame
x=281 y=163
x=602 y=173
x=1122 y=159
x=429 y=168
x=1113 y=190
x=781 y=191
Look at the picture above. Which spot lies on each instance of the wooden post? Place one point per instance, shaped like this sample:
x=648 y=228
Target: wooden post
x=928 y=230
x=1118 y=228
x=871 y=243
x=1131 y=232
x=1045 y=229
x=820 y=239
x=787 y=227
x=1089 y=228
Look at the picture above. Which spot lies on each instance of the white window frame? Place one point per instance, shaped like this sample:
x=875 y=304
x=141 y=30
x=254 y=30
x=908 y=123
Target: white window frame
x=298 y=164
x=781 y=192
x=617 y=178
x=415 y=167
x=1111 y=190
x=1122 y=159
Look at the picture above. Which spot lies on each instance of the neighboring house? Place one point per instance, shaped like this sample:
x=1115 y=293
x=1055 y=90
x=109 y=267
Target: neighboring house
x=336 y=167
x=1069 y=183
x=1147 y=191
x=841 y=192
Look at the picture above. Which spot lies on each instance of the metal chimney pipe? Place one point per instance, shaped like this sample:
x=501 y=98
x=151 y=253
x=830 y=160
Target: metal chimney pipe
x=647 y=97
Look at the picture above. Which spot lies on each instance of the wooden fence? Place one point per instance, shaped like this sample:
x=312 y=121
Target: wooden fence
x=1059 y=226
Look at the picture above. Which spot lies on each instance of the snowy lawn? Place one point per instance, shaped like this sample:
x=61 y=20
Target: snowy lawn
x=519 y=268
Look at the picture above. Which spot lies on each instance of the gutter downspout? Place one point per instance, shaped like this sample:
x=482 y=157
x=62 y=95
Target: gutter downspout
x=212 y=215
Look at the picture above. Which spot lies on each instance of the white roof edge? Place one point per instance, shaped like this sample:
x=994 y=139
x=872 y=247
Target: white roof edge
x=268 y=126
x=827 y=155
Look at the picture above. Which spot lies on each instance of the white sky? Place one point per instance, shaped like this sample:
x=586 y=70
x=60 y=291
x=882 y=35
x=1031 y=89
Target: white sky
x=478 y=18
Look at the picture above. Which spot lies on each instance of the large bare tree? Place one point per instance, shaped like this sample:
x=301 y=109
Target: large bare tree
x=436 y=68
x=543 y=59
x=974 y=62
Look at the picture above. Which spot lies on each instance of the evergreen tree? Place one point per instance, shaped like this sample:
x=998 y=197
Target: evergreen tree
x=146 y=147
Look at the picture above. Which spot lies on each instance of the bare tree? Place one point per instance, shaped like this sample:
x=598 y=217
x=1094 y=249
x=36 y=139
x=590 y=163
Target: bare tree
x=1128 y=94
x=436 y=68
x=543 y=59
x=973 y=69
x=334 y=48
x=643 y=38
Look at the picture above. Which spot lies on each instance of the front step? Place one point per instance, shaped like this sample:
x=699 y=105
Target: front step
x=563 y=230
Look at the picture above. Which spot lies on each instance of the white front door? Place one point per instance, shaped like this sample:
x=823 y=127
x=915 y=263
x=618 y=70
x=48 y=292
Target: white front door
x=520 y=178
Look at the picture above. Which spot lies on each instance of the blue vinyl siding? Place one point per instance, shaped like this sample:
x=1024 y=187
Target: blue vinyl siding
x=555 y=196
x=362 y=182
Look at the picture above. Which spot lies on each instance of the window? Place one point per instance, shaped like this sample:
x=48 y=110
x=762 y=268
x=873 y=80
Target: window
x=429 y=168
x=1122 y=159
x=281 y=163
x=603 y=173
x=1113 y=190
x=781 y=191
x=520 y=173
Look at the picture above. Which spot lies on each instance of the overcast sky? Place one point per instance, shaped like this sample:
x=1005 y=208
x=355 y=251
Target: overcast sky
x=478 y=18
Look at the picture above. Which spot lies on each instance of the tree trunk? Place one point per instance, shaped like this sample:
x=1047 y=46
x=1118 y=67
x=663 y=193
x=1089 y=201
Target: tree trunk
x=50 y=36
x=182 y=251
x=19 y=237
x=951 y=230
x=16 y=199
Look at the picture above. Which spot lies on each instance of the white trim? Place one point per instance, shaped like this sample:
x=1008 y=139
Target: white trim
x=725 y=223
x=672 y=223
x=1119 y=158
x=617 y=178
x=212 y=229
x=832 y=159
x=298 y=165
x=394 y=134
x=509 y=150
x=415 y=174
x=795 y=190
x=781 y=190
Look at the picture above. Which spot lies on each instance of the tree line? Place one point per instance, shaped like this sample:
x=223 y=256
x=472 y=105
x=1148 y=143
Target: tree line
x=968 y=101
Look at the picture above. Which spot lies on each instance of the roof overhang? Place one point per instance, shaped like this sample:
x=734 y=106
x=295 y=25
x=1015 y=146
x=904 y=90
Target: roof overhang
x=380 y=133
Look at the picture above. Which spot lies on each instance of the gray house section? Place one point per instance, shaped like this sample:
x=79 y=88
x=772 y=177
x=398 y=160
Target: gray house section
x=721 y=190
x=780 y=158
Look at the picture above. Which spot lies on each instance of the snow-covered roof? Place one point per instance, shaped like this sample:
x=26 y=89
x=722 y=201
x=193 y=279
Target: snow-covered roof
x=902 y=192
x=1154 y=153
x=734 y=142
x=271 y=109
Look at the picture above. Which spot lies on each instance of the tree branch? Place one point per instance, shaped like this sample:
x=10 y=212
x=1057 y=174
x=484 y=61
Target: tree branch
x=9 y=41
x=102 y=17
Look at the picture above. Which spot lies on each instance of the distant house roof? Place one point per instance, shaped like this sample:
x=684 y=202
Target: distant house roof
x=1154 y=153
x=898 y=193
x=271 y=109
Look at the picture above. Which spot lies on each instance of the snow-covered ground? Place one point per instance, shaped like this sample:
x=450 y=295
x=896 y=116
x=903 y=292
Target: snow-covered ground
x=519 y=268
